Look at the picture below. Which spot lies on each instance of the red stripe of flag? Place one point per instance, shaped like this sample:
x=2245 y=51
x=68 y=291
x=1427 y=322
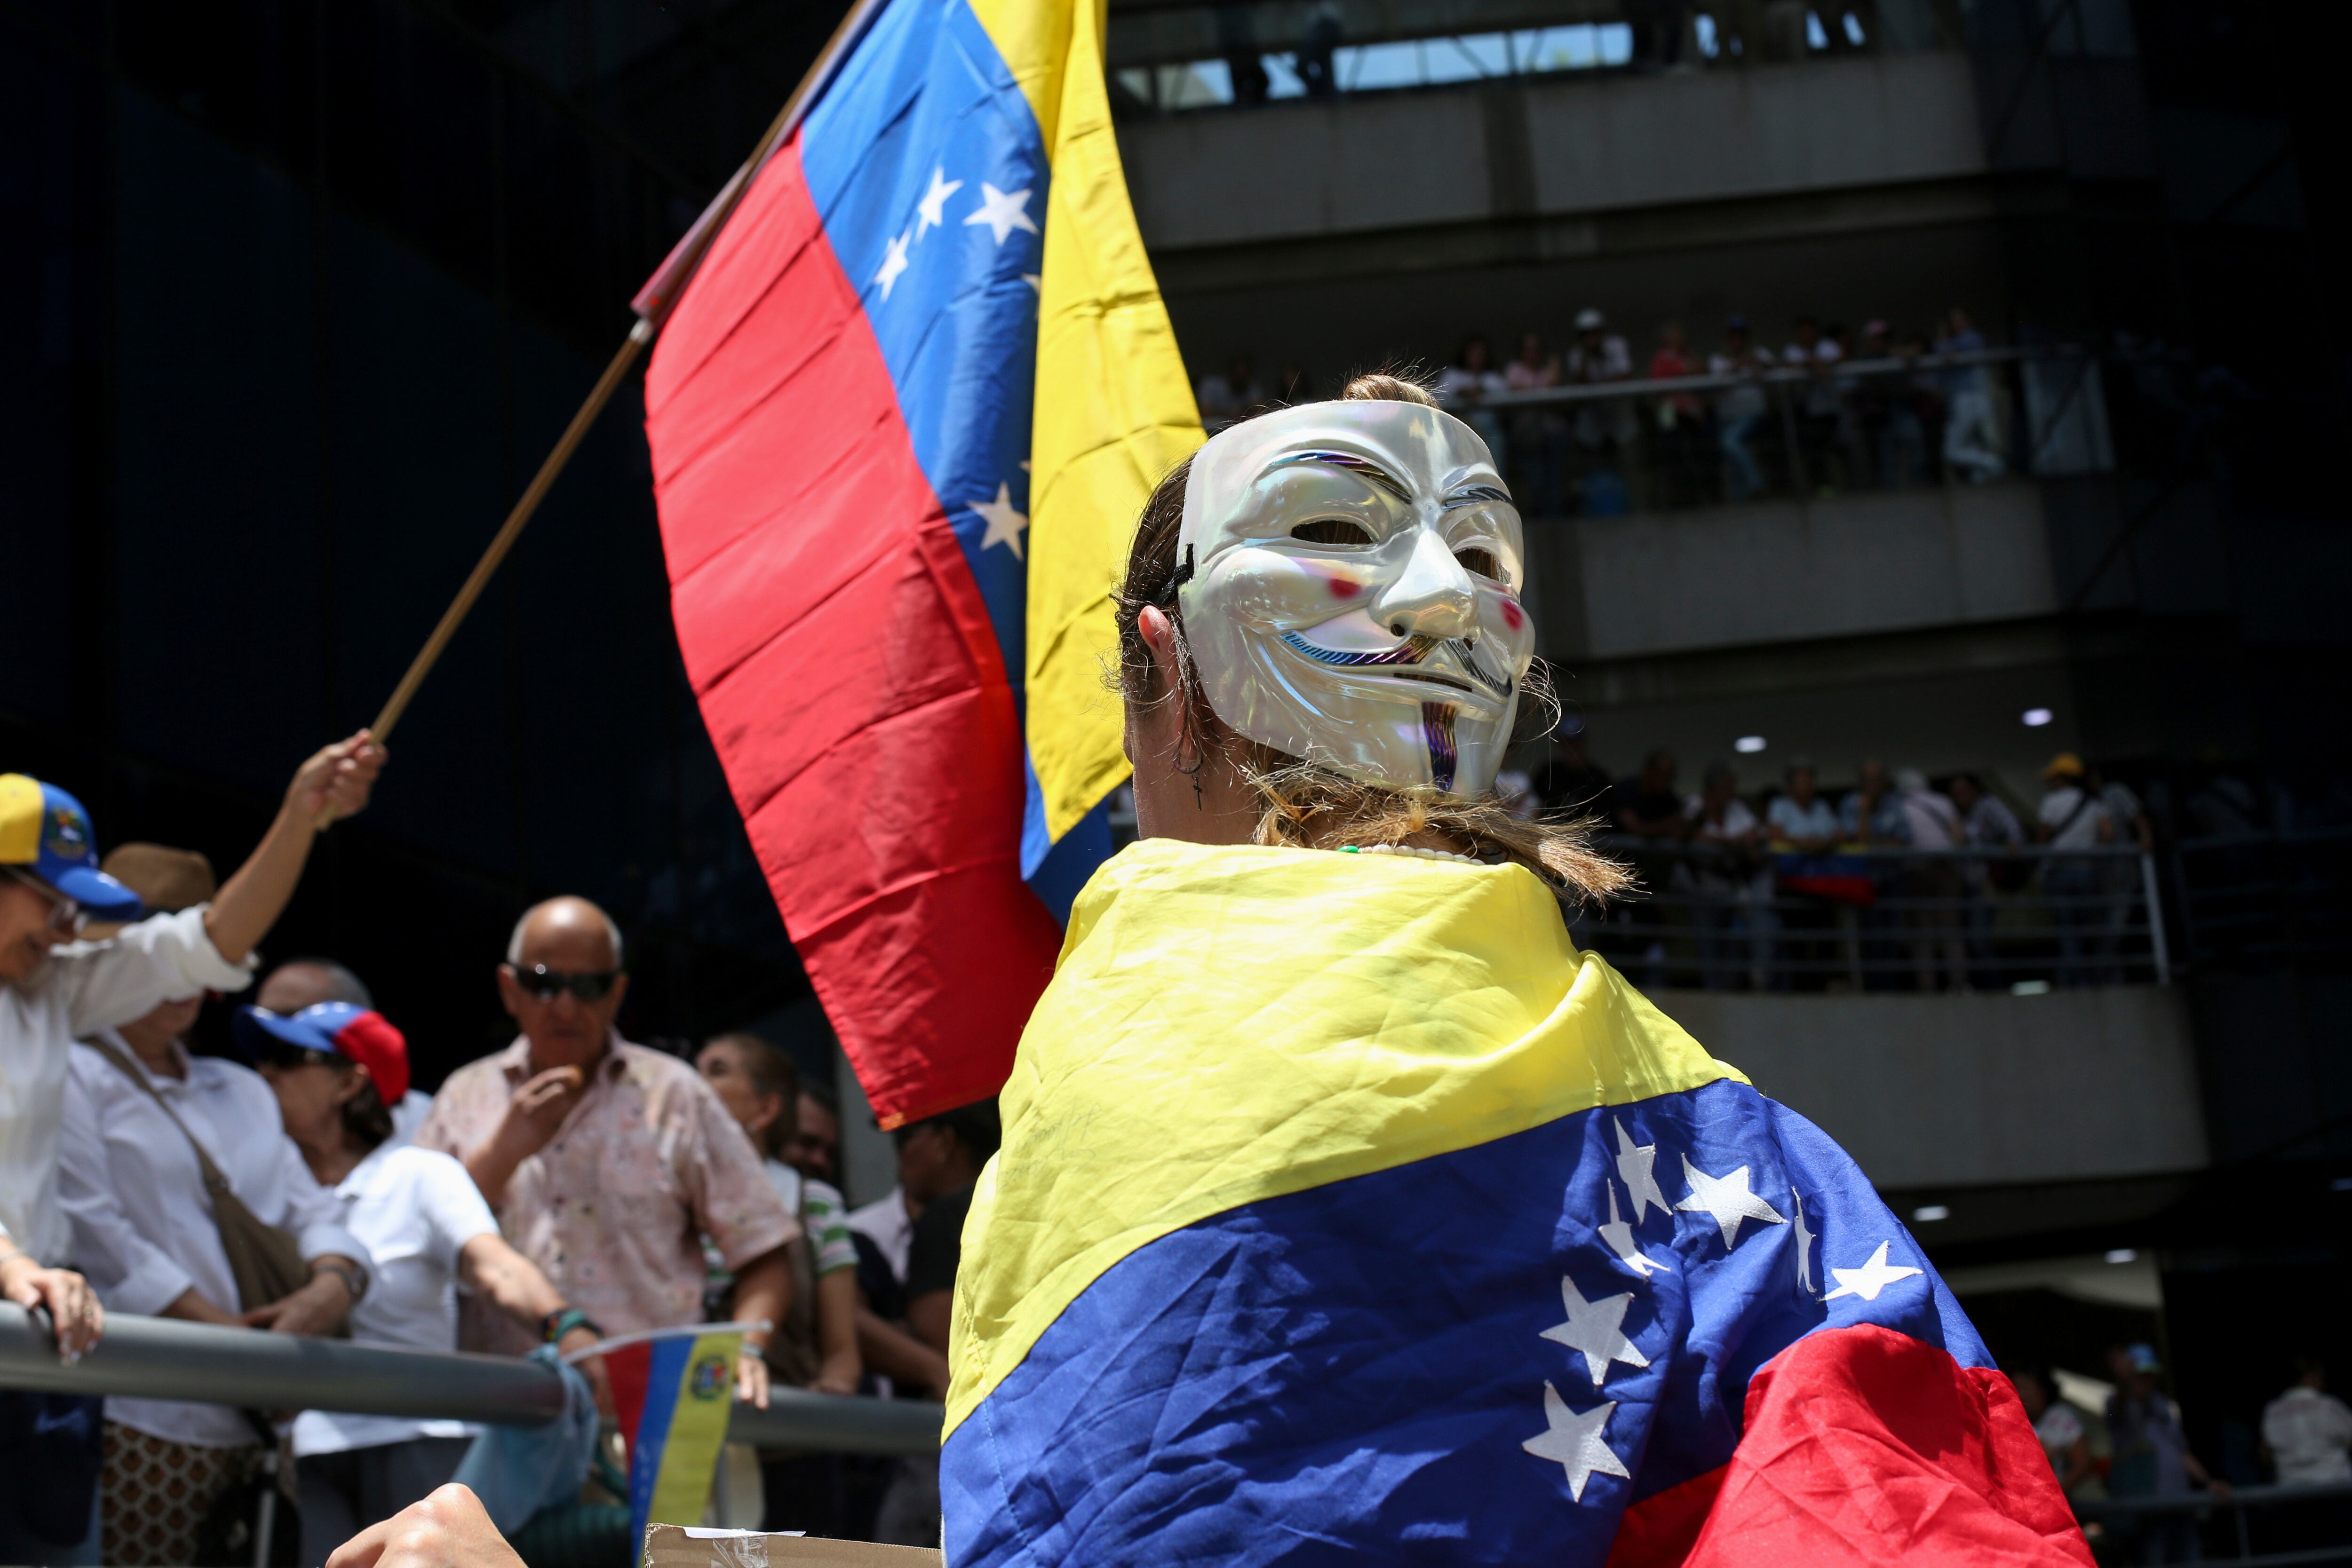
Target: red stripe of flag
x=843 y=662
x=1865 y=1446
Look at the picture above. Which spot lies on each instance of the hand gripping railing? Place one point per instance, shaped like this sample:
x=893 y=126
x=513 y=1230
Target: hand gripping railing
x=164 y=1358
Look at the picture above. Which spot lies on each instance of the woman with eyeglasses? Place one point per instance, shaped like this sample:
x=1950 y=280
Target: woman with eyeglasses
x=336 y=1069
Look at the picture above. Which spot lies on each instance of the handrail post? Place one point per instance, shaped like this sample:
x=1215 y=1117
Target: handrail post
x=2149 y=890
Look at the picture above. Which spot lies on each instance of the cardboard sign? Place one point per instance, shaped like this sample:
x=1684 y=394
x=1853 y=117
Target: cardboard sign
x=683 y=1546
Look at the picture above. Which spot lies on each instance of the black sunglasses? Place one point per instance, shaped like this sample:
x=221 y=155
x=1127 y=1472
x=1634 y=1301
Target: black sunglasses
x=547 y=983
x=276 y=1052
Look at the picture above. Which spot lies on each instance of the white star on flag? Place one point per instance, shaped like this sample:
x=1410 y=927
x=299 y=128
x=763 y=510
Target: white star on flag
x=1597 y=1329
x=1620 y=1237
x=894 y=262
x=931 y=211
x=1871 y=1278
x=1002 y=211
x=1633 y=1168
x=1804 y=1246
x=1574 y=1442
x=1727 y=1199
x=1005 y=524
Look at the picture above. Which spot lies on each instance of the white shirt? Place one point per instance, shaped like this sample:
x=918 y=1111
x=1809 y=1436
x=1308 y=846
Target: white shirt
x=1792 y=821
x=79 y=990
x=2308 y=1432
x=1934 y=821
x=1459 y=382
x=142 y=1224
x=891 y=1227
x=415 y=1209
x=1737 y=823
x=407 y=1116
x=2060 y=1428
x=2083 y=831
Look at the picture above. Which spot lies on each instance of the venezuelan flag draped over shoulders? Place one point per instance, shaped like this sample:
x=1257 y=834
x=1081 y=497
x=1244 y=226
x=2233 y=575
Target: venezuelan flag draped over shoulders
x=902 y=421
x=1346 y=1213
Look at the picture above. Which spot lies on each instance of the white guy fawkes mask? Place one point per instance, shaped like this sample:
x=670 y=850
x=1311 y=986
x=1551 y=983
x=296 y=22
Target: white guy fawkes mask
x=1350 y=577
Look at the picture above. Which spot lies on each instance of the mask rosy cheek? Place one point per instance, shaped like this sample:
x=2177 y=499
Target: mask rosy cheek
x=1267 y=588
x=1512 y=616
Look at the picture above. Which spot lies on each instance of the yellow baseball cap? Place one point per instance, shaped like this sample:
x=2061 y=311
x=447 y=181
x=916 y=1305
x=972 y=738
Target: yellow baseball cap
x=44 y=831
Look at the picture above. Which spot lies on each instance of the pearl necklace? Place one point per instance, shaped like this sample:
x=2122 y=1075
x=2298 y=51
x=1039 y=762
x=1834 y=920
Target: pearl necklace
x=1412 y=849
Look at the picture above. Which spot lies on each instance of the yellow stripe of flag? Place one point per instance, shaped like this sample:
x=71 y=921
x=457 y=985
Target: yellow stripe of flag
x=1385 y=1009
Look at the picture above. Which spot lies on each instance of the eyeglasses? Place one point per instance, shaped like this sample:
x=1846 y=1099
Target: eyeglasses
x=65 y=919
x=547 y=983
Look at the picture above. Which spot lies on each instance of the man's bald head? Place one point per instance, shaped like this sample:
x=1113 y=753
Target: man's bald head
x=300 y=983
x=561 y=981
x=566 y=922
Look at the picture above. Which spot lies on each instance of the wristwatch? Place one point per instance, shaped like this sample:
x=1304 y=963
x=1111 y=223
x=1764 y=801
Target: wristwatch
x=354 y=1277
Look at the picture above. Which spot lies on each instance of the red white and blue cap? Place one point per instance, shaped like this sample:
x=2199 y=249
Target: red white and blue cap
x=44 y=831
x=356 y=1033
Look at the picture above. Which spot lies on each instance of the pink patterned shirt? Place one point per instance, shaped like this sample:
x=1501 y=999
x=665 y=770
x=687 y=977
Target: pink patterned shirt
x=613 y=1209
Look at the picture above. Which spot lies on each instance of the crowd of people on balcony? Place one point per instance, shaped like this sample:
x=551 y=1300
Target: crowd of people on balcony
x=1831 y=409
x=573 y=1187
x=1898 y=880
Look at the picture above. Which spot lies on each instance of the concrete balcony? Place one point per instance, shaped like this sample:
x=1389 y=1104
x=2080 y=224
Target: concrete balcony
x=1791 y=570
x=1931 y=1093
x=1549 y=149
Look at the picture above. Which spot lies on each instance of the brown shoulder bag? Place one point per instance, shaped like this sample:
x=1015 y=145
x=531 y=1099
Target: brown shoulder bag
x=265 y=1260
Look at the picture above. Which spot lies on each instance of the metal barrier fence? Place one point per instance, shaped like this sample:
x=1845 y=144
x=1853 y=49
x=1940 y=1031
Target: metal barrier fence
x=1774 y=429
x=1859 y=918
x=2258 y=899
x=1180 y=55
x=164 y=1358
x=2318 y=1519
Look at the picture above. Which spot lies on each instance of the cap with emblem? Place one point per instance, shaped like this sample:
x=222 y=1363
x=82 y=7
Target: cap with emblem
x=44 y=831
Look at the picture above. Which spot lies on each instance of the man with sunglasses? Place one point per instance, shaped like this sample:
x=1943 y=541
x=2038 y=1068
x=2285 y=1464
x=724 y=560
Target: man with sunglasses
x=605 y=1162
x=55 y=989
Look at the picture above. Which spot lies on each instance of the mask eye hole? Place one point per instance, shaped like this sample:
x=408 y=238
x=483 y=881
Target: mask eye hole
x=1332 y=531
x=1480 y=562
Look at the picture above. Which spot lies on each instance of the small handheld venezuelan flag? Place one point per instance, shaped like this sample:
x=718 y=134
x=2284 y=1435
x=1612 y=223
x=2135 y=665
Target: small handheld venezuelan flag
x=673 y=1390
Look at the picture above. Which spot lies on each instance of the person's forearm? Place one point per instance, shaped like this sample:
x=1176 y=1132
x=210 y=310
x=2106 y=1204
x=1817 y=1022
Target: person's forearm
x=930 y=1315
x=836 y=1324
x=764 y=1289
x=249 y=903
x=898 y=1354
x=194 y=1307
x=491 y=1167
x=508 y=1280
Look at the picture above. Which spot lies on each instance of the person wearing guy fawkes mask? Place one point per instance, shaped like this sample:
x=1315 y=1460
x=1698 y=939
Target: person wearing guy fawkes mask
x=1347 y=1212
x=1341 y=1199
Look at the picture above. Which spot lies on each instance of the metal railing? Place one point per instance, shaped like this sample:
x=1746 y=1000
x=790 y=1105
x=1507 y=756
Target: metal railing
x=1856 y=917
x=164 y=1358
x=2120 y=1515
x=1173 y=56
x=2263 y=899
x=1605 y=446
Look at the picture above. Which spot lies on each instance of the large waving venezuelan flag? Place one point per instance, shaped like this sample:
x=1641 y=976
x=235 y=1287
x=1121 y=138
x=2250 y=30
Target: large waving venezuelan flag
x=902 y=422
x=1346 y=1213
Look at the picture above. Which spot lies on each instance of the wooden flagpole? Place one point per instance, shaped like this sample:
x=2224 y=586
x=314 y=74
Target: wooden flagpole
x=654 y=304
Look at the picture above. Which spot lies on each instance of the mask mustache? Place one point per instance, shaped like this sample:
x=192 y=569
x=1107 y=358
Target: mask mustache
x=1411 y=651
